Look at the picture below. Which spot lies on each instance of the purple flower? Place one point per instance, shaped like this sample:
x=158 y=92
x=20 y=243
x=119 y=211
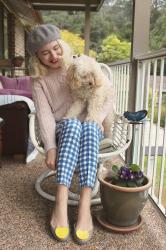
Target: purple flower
x=126 y=173
x=129 y=175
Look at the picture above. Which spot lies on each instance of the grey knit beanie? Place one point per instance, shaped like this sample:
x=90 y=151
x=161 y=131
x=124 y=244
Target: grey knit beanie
x=40 y=36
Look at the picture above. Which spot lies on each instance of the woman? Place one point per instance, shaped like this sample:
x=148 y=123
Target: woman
x=77 y=140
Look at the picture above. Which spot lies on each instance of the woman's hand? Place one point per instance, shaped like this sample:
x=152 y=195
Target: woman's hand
x=101 y=126
x=51 y=158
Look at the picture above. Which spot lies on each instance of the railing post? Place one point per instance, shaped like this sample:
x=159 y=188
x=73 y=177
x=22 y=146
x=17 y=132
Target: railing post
x=140 y=45
x=87 y=28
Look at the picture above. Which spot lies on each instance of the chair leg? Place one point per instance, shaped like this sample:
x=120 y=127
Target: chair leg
x=39 y=181
x=44 y=194
x=73 y=197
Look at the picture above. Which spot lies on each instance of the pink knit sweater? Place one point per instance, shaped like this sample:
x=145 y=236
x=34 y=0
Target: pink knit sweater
x=52 y=99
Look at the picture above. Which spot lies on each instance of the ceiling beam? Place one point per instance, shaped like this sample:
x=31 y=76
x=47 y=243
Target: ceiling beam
x=66 y=2
x=77 y=5
x=70 y=7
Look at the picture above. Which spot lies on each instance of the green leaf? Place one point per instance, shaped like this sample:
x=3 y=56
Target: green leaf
x=135 y=168
x=131 y=184
x=140 y=181
x=116 y=177
x=120 y=183
x=115 y=168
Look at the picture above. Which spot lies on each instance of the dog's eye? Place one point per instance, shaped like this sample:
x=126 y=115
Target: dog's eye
x=90 y=84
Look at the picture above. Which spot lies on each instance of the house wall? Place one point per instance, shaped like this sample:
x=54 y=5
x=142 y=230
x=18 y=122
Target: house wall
x=12 y=42
x=19 y=40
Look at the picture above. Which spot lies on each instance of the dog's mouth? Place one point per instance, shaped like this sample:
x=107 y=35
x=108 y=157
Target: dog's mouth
x=88 y=85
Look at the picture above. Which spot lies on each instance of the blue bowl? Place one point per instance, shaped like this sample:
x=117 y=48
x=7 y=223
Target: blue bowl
x=135 y=116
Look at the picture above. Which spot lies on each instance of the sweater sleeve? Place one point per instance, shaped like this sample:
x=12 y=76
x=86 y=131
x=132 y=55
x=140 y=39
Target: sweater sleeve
x=45 y=116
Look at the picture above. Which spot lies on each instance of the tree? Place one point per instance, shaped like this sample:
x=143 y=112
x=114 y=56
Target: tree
x=114 y=17
x=158 y=3
x=120 y=12
x=158 y=34
x=114 y=49
x=76 y=42
x=67 y=20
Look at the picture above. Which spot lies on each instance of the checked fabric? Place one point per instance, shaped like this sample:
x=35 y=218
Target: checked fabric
x=78 y=147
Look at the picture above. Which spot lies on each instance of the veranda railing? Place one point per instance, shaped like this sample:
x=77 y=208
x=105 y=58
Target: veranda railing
x=150 y=138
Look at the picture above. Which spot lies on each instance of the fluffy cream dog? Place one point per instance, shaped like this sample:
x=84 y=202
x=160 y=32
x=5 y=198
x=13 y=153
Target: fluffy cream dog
x=91 y=91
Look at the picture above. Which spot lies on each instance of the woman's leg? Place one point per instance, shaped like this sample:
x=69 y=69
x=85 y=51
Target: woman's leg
x=69 y=133
x=84 y=220
x=87 y=166
x=59 y=214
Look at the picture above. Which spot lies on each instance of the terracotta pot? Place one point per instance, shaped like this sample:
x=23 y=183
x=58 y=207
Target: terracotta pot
x=122 y=205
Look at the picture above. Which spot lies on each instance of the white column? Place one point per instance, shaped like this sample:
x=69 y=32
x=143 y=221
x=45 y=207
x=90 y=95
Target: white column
x=140 y=42
x=140 y=45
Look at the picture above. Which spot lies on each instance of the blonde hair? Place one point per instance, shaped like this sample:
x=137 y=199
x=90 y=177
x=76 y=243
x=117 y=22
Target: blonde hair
x=38 y=70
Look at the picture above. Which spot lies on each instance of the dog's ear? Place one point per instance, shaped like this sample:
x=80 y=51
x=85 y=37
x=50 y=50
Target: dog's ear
x=71 y=76
x=97 y=79
x=70 y=72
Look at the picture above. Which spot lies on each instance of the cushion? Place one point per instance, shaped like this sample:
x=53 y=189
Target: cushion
x=7 y=99
x=16 y=92
x=20 y=83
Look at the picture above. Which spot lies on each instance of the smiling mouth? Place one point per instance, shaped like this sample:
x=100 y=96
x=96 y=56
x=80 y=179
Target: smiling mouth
x=53 y=61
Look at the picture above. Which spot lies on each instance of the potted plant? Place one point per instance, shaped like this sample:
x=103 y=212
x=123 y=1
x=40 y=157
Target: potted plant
x=124 y=192
x=17 y=61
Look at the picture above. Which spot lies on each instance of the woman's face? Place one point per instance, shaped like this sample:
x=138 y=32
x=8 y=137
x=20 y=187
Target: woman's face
x=50 y=55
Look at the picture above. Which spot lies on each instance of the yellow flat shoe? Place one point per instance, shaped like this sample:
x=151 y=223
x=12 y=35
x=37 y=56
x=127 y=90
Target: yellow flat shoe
x=60 y=233
x=82 y=236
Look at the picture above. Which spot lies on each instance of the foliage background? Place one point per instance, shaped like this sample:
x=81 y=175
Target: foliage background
x=76 y=42
x=114 y=18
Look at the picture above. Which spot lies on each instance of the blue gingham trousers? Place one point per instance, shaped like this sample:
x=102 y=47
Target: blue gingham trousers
x=78 y=147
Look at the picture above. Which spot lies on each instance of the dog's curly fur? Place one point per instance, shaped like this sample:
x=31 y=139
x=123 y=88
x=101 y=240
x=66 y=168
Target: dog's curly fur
x=90 y=90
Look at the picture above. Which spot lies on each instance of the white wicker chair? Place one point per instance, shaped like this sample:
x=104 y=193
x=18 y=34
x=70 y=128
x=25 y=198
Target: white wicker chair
x=121 y=139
